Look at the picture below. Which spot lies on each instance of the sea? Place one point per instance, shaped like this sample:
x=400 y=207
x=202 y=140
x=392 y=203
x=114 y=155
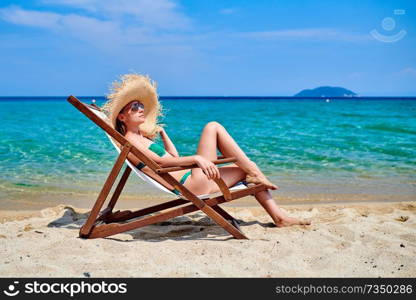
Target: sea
x=315 y=150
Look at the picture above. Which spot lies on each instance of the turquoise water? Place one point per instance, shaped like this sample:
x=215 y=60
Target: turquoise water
x=312 y=149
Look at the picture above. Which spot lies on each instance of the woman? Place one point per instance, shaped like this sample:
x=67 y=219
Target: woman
x=133 y=109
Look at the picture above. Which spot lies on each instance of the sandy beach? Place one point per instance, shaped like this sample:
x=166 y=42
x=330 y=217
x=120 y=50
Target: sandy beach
x=345 y=240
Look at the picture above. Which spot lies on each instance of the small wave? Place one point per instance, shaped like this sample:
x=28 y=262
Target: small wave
x=372 y=116
x=26 y=184
x=353 y=115
x=403 y=152
x=385 y=127
x=344 y=125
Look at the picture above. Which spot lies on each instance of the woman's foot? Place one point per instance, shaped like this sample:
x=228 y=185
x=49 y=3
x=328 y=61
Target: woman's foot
x=260 y=179
x=288 y=221
x=255 y=175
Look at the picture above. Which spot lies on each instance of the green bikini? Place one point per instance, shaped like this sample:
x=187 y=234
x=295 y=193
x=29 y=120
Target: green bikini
x=159 y=150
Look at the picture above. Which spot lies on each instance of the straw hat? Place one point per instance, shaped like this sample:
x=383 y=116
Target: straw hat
x=135 y=87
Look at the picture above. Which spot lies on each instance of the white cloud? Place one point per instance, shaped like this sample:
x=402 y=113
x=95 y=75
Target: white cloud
x=406 y=72
x=143 y=22
x=163 y=14
x=305 y=34
x=227 y=11
x=355 y=75
x=16 y=15
x=111 y=32
x=122 y=37
x=83 y=28
x=125 y=29
x=91 y=29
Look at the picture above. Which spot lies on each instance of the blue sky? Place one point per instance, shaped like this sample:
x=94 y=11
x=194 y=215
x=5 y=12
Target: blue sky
x=62 y=47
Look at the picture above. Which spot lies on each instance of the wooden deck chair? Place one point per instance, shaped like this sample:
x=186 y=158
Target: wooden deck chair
x=106 y=222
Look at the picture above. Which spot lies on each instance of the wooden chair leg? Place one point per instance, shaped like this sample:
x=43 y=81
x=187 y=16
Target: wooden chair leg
x=114 y=228
x=208 y=210
x=124 y=216
x=86 y=228
x=209 y=207
x=105 y=230
x=227 y=216
x=108 y=211
x=119 y=188
x=223 y=222
x=222 y=212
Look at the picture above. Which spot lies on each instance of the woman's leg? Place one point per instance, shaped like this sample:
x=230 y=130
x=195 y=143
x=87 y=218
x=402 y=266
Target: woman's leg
x=279 y=217
x=199 y=184
x=216 y=136
x=207 y=148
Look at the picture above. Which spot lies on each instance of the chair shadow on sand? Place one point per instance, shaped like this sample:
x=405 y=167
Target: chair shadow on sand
x=190 y=227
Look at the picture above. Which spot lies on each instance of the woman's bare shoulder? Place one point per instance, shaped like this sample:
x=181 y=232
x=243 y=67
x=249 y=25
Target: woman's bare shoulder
x=142 y=140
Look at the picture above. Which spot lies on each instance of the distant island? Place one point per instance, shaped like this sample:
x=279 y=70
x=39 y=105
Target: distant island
x=326 y=91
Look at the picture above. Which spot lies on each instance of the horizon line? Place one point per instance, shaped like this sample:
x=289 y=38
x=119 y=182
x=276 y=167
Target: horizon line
x=230 y=97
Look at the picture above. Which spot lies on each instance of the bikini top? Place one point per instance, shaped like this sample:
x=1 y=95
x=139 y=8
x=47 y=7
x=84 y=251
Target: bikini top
x=156 y=148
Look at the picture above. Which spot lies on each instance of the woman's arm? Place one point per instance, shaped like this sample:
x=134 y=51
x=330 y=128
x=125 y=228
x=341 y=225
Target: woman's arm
x=169 y=146
x=208 y=167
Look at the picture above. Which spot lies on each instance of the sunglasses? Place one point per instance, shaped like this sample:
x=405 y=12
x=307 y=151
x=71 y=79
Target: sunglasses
x=135 y=106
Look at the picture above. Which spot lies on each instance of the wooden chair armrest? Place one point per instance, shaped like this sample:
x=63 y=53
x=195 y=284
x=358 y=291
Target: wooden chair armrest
x=217 y=162
x=224 y=189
